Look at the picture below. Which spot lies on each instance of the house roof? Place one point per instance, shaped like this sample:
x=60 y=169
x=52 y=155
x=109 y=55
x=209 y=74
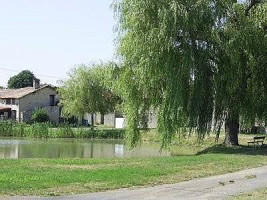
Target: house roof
x=19 y=93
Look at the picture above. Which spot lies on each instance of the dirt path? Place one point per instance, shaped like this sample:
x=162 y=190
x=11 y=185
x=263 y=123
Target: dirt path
x=216 y=187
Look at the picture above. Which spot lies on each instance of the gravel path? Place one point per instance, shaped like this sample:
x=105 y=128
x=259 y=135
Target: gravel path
x=216 y=187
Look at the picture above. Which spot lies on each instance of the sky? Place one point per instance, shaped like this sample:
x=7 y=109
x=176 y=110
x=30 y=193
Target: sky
x=49 y=37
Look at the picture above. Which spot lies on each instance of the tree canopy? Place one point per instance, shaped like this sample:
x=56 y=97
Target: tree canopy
x=199 y=63
x=88 y=91
x=21 y=80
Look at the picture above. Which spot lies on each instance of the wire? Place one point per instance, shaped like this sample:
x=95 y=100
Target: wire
x=48 y=76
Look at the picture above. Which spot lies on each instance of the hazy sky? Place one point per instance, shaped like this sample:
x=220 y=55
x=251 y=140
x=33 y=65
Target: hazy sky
x=49 y=37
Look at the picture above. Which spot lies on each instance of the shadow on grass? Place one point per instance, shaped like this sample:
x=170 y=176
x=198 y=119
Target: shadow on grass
x=245 y=150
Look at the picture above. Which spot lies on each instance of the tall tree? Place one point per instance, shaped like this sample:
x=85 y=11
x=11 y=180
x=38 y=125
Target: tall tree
x=21 y=80
x=88 y=91
x=200 y=63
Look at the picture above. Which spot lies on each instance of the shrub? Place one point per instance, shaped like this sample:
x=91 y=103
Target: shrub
x=40 y=116
x=6 y=128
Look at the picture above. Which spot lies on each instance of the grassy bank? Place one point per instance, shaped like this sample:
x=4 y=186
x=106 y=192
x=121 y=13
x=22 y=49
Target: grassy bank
x=67 y=176
x=44 y=130
x=260 y=194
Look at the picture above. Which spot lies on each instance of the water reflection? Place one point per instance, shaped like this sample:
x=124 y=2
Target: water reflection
x=72 y=148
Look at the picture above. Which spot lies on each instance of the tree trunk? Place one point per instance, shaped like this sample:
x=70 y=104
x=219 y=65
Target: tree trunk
x=232 y=130
x=102 y=119
x=92 y=121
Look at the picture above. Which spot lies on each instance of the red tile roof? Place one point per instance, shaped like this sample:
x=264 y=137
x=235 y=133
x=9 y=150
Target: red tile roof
x=19 y=93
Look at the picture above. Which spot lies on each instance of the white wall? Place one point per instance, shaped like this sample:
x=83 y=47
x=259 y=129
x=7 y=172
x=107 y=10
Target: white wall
x=119 y=123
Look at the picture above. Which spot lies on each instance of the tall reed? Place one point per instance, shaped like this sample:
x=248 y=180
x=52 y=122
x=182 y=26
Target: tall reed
x=45 y=130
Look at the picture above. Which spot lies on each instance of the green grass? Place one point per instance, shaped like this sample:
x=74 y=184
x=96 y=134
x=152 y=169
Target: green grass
x=259 y=194
x=68 y=176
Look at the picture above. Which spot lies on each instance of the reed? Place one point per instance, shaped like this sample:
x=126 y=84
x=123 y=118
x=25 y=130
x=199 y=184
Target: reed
x=46 y=130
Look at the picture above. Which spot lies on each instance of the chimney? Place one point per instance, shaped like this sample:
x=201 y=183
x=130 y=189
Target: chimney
x=36 y=83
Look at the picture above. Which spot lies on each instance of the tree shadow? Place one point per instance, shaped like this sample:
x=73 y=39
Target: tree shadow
x=245 y=150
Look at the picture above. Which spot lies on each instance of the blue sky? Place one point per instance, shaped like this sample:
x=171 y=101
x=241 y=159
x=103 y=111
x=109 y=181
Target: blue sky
x=49 y=37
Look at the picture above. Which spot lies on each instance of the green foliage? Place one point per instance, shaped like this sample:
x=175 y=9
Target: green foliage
x=6 y=128
x=10 y=128
x=37 y=130
x=40 y=116
x=21 y=80
x=195 y=62
x=88 y=91
x=45 y=130
x=63 y=131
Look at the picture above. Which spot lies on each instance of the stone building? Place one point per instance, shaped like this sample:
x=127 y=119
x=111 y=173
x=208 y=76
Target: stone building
x=118 y=120
x=18 y=104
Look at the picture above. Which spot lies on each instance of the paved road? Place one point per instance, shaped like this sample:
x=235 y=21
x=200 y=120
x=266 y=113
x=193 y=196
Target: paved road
x=216 y=187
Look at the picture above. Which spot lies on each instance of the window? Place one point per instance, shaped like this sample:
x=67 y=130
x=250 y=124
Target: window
x=13 y=101
x=52 y=100
x=14 y=114
x=8 y=101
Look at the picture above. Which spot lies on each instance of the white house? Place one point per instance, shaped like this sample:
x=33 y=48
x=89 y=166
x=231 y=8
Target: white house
x=18 y=104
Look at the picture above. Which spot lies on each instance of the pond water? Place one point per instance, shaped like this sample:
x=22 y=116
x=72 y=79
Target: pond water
x=15 y=148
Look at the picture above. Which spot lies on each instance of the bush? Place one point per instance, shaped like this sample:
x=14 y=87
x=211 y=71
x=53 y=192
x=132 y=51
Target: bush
x=40 y=116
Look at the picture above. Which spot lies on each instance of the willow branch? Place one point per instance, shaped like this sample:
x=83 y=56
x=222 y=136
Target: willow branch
x=252 y=4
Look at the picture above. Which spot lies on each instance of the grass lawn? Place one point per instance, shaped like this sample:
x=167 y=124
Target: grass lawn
x=260 y=194
x=68 y=176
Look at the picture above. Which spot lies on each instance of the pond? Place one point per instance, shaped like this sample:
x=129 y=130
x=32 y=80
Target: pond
x=15 y=148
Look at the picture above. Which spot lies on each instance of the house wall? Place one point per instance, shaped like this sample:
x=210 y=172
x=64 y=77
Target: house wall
x=87 y=118
x=109 y=119
x=39 y=99
x=97 y=118
x=152 y=119
x=53 y=112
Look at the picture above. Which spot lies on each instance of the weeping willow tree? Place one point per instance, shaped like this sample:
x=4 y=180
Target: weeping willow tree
x=88 y=90
x=200 y=63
